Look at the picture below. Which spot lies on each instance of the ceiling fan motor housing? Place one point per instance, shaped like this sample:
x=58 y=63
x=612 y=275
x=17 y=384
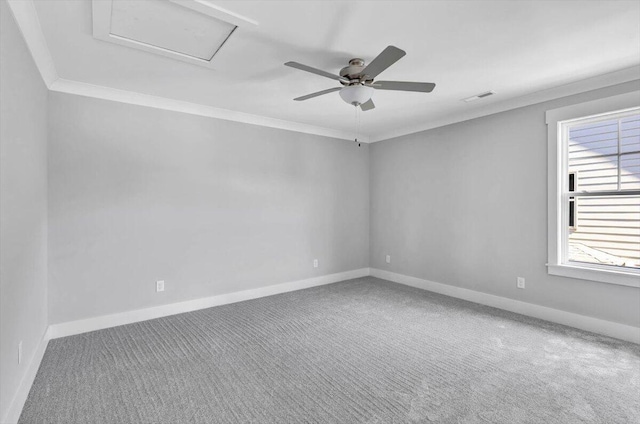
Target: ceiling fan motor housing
x=352 y=72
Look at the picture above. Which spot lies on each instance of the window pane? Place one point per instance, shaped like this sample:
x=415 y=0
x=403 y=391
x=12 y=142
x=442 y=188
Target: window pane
x=629 y=145
x=593 y=154
x=630 y=171
x=630 y=122
x=606 y=154
x=598 y=173
x=602 y=127
x=630 y=134
x=607 y=232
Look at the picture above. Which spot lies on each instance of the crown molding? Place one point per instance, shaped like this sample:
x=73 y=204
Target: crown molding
x=25 y=15
x=131 y=97
x=588 y=84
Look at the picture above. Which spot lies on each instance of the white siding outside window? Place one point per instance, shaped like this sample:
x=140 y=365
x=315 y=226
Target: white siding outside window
x=594 y=190
x=604 y=157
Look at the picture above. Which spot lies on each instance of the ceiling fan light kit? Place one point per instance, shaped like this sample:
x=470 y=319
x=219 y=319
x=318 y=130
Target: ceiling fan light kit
x=356 y=94
x=358 y=79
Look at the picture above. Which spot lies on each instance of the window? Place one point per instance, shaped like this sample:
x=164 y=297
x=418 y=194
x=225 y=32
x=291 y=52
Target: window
x=594 y=190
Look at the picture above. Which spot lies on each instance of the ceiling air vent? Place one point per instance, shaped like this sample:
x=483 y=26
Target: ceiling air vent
x=188 y=30
x=479 y=96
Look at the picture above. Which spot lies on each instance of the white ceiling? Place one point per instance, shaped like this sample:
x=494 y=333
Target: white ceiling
x=514 y=48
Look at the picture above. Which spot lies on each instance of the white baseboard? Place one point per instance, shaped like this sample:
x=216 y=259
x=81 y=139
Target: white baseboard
x=105 y=321
x=608 y=328
x=15 y=407
x=595 y=325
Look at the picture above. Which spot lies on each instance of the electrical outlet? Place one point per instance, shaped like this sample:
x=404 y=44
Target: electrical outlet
x=20 y=352
x=388 y=259
x=315 y=263
x=160 y=286
x=520 y=282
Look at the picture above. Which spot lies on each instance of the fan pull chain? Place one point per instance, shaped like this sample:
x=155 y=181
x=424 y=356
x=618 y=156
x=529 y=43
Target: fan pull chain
x=357 y=126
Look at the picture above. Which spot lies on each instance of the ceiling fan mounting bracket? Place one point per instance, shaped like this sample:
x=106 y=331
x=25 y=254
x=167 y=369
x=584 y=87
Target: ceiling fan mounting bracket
x=353 y=73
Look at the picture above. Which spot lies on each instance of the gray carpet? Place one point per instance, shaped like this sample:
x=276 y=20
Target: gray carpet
x=364 y=350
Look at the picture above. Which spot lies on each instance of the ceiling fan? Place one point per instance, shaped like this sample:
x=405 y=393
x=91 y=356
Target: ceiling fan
x=358 y=79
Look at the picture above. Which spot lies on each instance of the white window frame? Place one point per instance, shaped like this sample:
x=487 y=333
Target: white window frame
x=557 y=179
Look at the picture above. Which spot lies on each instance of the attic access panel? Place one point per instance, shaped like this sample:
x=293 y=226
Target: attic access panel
x=188 y=30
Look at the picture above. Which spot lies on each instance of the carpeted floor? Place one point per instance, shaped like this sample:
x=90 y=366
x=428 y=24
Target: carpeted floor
x=364 y=350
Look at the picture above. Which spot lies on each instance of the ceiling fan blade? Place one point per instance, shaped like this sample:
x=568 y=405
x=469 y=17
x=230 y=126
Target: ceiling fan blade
x=423 y=87
x=368 y=105
x=388 y=57
x=315 y=71
x=319 y=93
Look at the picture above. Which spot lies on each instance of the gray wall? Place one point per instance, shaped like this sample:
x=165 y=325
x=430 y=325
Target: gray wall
x=23 y=207
x=466 y=205
x=210 y=206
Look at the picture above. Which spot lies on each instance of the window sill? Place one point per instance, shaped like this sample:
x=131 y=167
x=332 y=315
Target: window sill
x=621 y=278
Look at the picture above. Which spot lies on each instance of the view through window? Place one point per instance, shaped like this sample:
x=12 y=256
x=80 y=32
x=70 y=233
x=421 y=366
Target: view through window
x=602 y=194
